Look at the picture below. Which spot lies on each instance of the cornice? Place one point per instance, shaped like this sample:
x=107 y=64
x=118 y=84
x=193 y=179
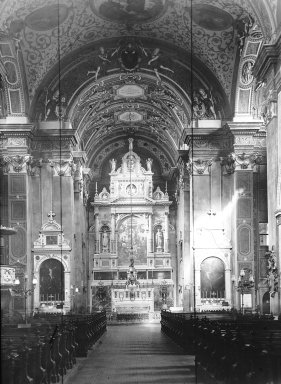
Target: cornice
x=244 y=128
x=269 y=55
x=9 y=130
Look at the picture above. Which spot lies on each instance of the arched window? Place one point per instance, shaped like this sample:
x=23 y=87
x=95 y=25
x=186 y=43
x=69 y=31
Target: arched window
x=212 y=278
x=51 y=280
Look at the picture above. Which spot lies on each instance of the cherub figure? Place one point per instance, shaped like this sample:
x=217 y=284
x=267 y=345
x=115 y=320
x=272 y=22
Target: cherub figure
x=102 y=61
x=155 y=63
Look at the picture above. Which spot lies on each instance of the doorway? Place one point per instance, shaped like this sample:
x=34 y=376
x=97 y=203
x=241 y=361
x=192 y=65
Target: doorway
x=266 y=303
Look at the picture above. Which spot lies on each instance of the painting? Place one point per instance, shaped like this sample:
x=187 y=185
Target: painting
x=51 y=280
x=132 y=231
x=211 y=18
x=212 y=278
x=129 y=11
x=46 y=18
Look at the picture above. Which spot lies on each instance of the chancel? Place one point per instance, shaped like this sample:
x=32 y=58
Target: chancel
x=140 y=164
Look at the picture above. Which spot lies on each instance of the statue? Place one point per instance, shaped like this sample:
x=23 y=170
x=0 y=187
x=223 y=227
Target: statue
x=113 y=165
x=208 y=103
x=104 y=241
x=148 y=164
x=51 y=106
x=159 y=239
x=199 y=109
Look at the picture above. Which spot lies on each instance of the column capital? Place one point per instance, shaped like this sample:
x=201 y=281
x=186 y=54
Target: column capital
x=14 y=164
x=62 y=167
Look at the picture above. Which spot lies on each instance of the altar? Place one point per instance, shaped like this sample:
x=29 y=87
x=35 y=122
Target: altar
x=131 y=223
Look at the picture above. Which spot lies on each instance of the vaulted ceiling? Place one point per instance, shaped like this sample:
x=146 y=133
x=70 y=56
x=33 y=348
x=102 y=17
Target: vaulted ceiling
x=100 y=63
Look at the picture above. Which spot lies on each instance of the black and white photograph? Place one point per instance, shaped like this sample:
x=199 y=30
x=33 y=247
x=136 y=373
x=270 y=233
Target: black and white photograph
x=140 y=191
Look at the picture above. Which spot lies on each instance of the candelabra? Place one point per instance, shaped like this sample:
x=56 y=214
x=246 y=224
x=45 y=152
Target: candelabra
x=245 y=282
x=24 y=291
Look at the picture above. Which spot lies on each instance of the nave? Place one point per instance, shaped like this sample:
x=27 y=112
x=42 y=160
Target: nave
x=135 y=354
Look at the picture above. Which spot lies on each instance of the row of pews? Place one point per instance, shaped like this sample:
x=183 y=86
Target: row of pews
x=45 y=351
x=229 y=350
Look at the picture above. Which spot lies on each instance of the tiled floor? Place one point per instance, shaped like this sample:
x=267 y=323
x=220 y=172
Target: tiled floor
x=135 y=354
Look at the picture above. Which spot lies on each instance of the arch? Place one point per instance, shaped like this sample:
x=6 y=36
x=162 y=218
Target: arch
x=212 y=278
x=266 y=303
x=51 y=280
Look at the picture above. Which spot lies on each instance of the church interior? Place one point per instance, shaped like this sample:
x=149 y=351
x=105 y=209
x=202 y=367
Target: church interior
x=140 y=157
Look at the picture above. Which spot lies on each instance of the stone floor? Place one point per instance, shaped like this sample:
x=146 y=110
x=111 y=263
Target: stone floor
x=135 y=354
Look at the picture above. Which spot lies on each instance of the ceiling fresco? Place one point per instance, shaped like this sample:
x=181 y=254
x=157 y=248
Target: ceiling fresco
x=130 y=11
x=113 y=69
x=212 y=25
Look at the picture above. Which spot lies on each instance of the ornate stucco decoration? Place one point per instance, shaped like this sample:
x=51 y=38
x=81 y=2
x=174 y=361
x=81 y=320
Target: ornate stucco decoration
x=228 y=163
x=51 y=236
x=272 y=272
x=202 y=166
x=245 y=160
x=62 y=167
x=34 y=166
x=18 y=163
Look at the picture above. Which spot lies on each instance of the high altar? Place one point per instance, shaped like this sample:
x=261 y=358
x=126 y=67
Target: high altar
x=131 y=223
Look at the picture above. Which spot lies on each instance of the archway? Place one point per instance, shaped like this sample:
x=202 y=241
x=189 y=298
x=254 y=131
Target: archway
x=266 y=303
x=51 y=281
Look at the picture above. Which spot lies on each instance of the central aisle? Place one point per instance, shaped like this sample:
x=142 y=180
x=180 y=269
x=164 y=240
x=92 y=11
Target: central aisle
x=135 y=354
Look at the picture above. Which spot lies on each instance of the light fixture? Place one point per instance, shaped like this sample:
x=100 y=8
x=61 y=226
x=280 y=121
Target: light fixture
x=245 y=283
x=34 y=280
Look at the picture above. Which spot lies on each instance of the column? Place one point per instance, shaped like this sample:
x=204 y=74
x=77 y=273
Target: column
x=149 y=234
x=97 y=238
x=228 y=283
x=166 y=233
x=112 y=235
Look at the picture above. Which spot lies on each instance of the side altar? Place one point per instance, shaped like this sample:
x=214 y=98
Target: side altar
x=131 y=228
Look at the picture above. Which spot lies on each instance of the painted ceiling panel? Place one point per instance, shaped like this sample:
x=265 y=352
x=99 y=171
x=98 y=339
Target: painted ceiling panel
x=207 y=29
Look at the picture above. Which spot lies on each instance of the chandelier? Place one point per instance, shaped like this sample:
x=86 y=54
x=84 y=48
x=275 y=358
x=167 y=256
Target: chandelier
x=132 y=282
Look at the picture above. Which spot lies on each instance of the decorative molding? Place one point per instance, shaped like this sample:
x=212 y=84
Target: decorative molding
x=17 y=162
x=228 y=163
x=62 y=167
x=201 y=166
x=34 y=166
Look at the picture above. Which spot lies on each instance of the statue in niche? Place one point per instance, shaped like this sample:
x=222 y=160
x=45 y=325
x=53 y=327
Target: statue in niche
x=148 y=164
x=113 y=165
x=104 y=240
x=247 y=76
x=102 y=60
x=159 y=240
x=156 y=63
